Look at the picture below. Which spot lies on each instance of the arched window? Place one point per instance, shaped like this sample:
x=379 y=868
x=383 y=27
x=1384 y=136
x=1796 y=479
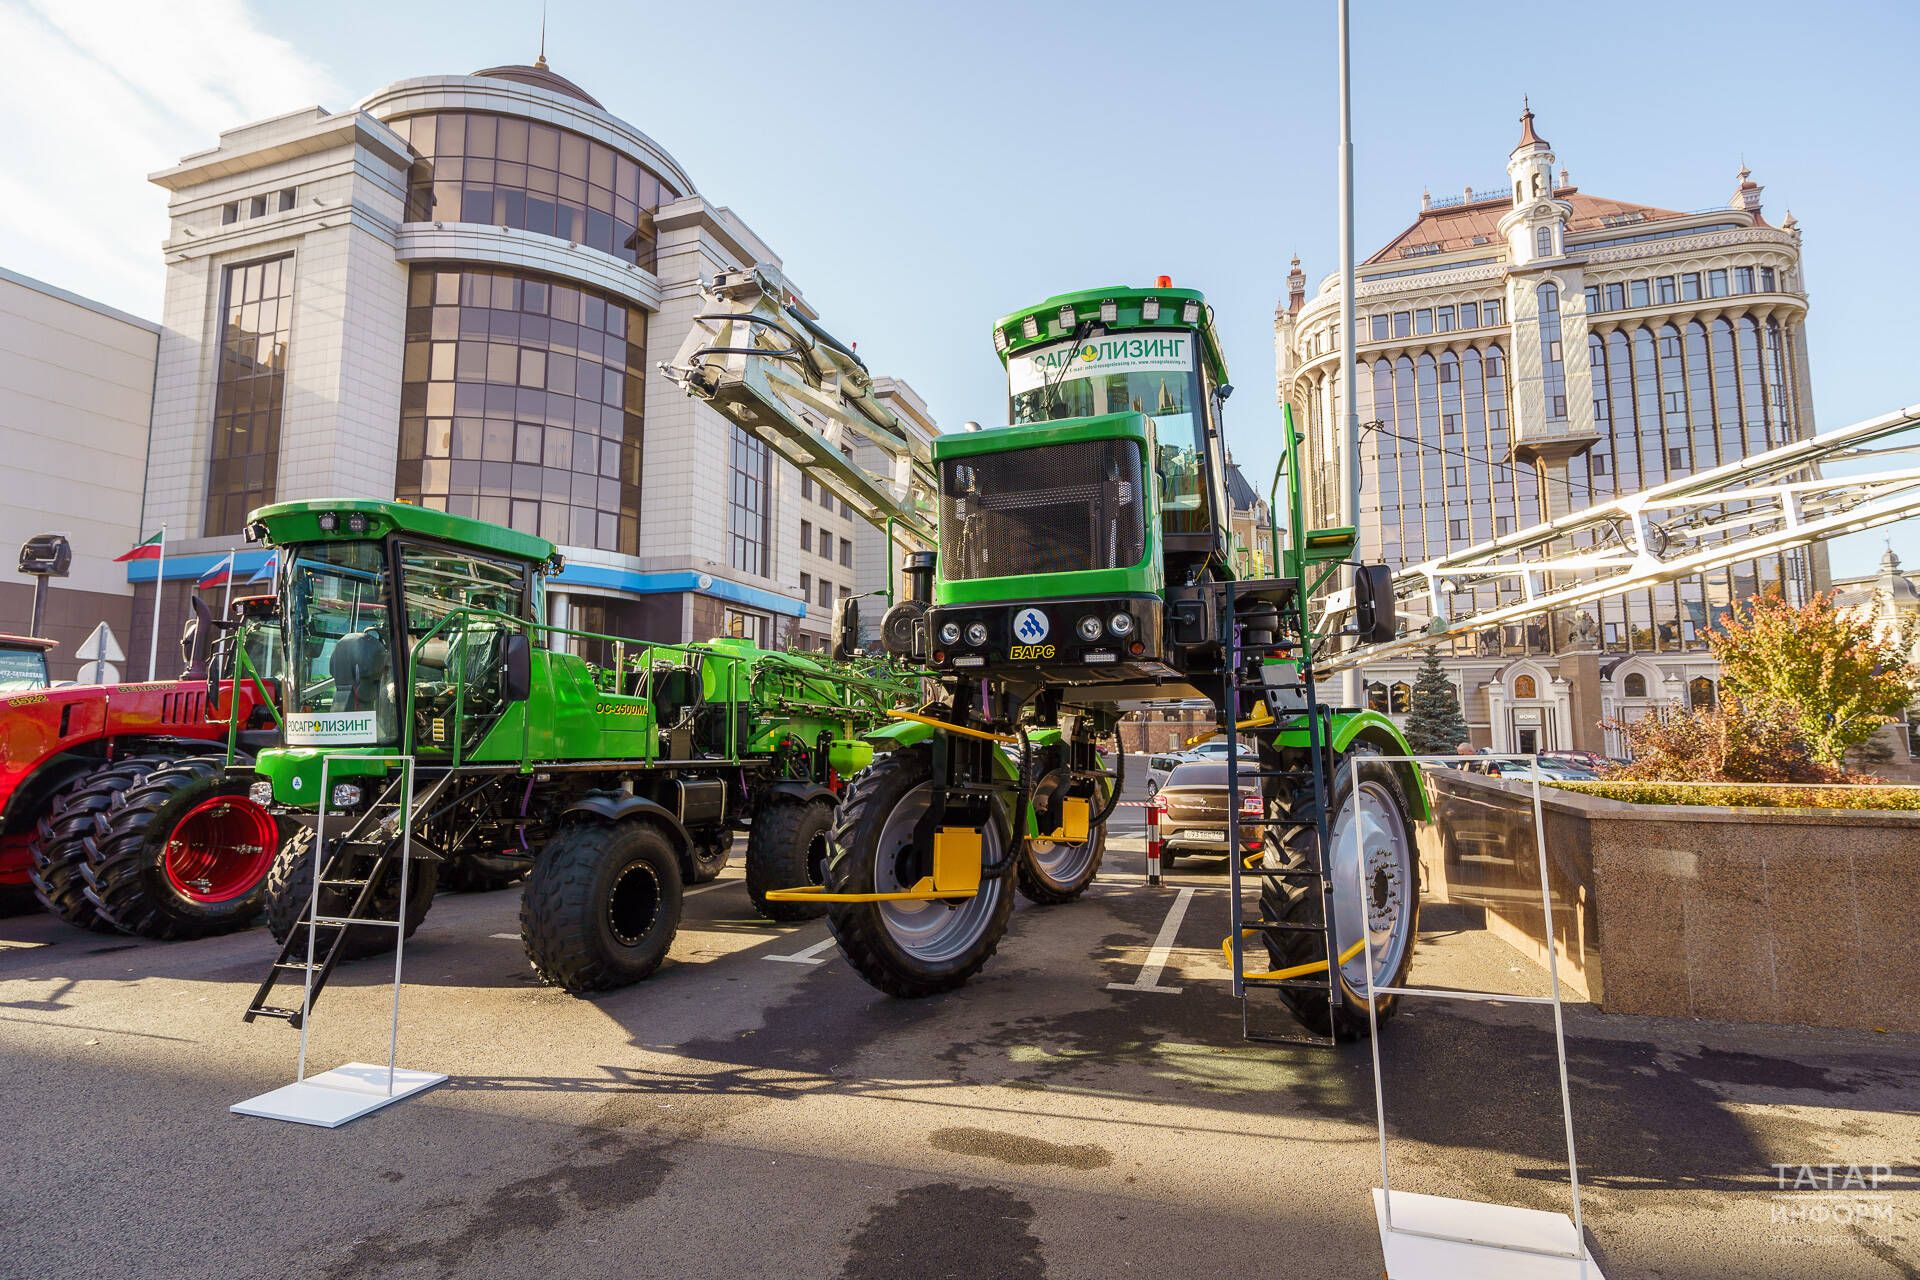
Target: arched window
x=1701 y=694
x=1543 y=242
x=1552 y=359
x=1524 y=687
x=1399 y=697
x=1636 y=685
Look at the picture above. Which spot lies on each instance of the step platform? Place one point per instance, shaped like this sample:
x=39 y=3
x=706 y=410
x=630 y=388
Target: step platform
x=334 y=1097
x=1482 y=1241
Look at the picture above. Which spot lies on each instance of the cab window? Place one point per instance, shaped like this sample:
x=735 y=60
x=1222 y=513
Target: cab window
x=460 y=606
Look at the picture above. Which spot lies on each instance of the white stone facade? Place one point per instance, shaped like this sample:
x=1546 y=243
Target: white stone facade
x=76 y=382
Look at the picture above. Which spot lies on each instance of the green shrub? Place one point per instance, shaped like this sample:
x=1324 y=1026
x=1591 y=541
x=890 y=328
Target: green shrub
x=1757 y=796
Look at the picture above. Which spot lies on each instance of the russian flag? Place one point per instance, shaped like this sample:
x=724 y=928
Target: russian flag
x=219 y=575
x=152 y=549
x=268 y=570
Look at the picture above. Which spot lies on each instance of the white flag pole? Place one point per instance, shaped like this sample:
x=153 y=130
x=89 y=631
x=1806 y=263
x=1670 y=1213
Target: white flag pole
x=226 y=596
x=159 y=585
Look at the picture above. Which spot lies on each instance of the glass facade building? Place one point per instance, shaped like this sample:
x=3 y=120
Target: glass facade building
x=522 y=403
x=256 y=320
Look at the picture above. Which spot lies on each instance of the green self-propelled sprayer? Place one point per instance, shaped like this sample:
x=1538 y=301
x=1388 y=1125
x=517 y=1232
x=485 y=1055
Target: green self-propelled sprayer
x=1085 y=562
x=616 y=769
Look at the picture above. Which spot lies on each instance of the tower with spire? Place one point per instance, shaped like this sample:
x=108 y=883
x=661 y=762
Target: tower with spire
x=1535 y=209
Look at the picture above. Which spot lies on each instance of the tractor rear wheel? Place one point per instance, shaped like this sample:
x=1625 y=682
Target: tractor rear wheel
x=185 y=854
x=602 y=905
x=1389 y=915
x=909 y=949
x=708 y=856
x=290 y=892
x=70 y=832
x=786 y=849
x=483 y=872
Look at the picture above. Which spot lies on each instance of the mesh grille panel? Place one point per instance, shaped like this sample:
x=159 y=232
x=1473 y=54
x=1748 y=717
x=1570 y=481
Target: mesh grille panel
x=1050 y=509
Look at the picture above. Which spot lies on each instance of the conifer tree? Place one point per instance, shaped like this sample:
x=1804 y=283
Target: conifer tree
x=1434 y=723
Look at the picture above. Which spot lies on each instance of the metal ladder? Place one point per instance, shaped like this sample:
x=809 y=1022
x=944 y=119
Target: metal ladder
x=1243 y=676
x=315 y=943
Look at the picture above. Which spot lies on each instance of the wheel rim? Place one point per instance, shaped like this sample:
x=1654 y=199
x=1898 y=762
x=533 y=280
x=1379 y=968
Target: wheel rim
x=930 y=932
x=220 y=850
x=1383 y=915
x=1062 y=863
x=817 y=850
x=633 y=903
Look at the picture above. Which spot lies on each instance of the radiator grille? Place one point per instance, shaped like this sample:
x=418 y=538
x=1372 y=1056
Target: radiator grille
x=1050 y=509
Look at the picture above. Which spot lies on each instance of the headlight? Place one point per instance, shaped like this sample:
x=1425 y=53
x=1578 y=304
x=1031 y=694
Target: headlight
x=1121 y=624
x=261 y=792
x=949 y=633
x=346 y=795
x=1089 y=628
x=976 y=634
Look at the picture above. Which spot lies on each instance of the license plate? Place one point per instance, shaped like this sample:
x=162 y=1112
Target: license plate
x=1205 y=837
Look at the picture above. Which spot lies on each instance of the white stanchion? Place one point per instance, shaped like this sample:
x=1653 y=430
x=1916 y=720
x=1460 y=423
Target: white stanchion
x=355 y=1089
x=1426 y=1237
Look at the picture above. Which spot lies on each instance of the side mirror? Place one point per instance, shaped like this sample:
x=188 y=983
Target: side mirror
x=1373 y=612
x=1224 y=390
x=196 y=643
x=516 y=677
x=846 y=627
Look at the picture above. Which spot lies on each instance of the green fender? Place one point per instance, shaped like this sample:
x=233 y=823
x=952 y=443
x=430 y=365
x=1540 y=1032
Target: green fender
x=1375 y=730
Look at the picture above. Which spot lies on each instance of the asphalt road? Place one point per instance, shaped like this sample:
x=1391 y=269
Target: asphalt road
x=756 y=1110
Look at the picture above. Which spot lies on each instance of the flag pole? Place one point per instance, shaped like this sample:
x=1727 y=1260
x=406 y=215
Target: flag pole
x=159 y=585
x=226 y=596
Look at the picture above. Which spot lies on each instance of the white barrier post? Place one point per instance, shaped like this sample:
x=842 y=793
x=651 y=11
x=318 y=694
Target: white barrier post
x=1153 y=840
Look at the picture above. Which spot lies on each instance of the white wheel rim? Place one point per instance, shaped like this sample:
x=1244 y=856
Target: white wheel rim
x=930 y=932
x=1384 y=915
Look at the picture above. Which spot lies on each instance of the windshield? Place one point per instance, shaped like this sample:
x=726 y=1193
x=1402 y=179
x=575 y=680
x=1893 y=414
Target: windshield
x=339 y=647
x=22 y=669
x=1150 y=373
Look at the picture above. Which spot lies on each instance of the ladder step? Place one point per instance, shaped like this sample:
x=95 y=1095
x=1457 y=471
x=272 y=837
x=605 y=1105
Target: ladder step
x=345 y=884
x=342 y=922
x=1284 y=926
x=1289 y=984
x=301 y=966
x=267 y=1011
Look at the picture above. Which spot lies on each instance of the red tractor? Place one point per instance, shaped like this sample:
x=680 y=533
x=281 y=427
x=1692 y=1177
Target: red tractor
x=116 y=809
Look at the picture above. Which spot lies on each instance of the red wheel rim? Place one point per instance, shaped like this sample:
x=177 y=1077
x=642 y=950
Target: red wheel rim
x=220 y=850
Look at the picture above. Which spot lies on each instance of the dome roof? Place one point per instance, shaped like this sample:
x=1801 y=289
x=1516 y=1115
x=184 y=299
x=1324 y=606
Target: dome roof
x=541 y=77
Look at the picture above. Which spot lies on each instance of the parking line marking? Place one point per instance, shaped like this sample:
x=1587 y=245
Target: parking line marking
x=708 y=888
x=810 y=956
x=510 y=937
x=1149 y=979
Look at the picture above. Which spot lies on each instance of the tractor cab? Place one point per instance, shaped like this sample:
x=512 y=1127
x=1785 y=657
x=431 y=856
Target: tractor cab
x=1072 y=539
x=23 y=663
x=402 y=627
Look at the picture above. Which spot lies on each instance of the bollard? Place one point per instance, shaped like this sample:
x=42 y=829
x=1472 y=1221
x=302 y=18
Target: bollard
x=1153 y=840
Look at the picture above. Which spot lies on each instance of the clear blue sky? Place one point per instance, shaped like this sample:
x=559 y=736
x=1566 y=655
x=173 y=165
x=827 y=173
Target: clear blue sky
x=924 y=168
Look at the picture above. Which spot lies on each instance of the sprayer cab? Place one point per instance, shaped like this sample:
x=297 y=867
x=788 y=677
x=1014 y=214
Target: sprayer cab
x=1068 y=536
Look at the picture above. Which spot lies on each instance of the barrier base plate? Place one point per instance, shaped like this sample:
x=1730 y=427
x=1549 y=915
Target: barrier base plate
x=1506 y=1243
x=334 y=1097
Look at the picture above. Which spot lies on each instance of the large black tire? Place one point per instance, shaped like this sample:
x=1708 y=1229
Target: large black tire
x=787 y=848
x=602 y=905
x=71 y=829
x=483 y=872
x=290 y=890
x=1299 y=901
x=708 y=856
x=1050 y=873
x=908 y=949
x=185 y=854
